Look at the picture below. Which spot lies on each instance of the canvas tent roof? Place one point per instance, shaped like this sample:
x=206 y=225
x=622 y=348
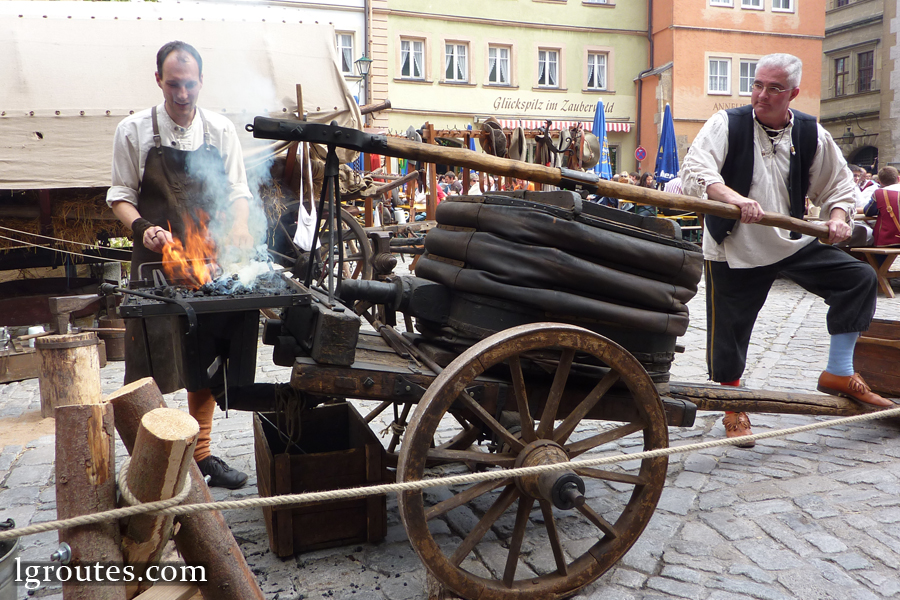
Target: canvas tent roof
x=67 y=82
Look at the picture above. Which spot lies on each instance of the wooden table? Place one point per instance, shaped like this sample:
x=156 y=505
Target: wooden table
x=883 y=270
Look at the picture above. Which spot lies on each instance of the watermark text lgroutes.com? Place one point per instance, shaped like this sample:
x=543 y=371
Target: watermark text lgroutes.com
x=33 y=574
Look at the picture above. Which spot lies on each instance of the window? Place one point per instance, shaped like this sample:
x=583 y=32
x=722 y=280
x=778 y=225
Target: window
x=841 y=74
x=548 y=68
x=719 y=76
x=748 y=73
x=596 y=71
x=865 y=71
x=344 y=42
x=455 y=63
x=412 y=59
x=784 y=5
x=498 y=65
x=721 y=3
x=755 y=4
x=841 y=3
x=595 y=1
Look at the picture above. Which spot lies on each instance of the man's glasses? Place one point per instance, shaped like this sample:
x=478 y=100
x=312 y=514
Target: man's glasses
x=772 y=90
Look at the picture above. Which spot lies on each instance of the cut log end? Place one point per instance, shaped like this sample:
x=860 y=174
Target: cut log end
x=170 y=424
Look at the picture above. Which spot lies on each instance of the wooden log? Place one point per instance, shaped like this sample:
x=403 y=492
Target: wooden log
x=180 y=591
x=409 y=149
x=86 y=484
x=202 y=538
x=375 y=107
x=718 y=397
x=163 y=451
x=70 y=370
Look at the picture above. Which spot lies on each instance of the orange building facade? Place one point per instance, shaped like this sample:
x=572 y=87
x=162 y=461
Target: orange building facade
x=704 y=54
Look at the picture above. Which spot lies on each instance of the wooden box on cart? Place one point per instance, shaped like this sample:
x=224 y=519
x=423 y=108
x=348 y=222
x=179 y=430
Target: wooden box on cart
x=338 y=451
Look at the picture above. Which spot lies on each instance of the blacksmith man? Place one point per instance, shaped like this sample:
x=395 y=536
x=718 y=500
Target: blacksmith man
x=168 y=161
x=768 y=158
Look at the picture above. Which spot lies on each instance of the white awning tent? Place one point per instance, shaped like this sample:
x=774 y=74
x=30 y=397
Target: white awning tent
x=69 y=79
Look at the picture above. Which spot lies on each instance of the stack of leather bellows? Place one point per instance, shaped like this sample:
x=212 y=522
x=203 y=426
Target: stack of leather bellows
x=529 y=257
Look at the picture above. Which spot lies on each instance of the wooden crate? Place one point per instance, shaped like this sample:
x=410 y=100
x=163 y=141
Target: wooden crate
x=340 y=452
x=877 y=356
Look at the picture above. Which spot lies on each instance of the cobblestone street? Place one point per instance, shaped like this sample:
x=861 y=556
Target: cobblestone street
x=810 y=516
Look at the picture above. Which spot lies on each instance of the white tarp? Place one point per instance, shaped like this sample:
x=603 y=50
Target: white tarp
x=67 y=82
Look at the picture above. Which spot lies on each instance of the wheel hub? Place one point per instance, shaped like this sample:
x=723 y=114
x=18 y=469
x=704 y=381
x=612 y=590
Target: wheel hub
x=564 y=489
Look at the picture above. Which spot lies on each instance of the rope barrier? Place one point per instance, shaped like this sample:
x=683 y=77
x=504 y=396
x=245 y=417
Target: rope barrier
x=3 y=237
x=409 y=486
x=48 y=237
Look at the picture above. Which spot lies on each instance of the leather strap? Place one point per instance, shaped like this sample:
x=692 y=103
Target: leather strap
x=890 y=210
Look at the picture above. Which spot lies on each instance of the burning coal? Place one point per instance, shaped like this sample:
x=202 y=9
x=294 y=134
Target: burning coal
x=195 y=263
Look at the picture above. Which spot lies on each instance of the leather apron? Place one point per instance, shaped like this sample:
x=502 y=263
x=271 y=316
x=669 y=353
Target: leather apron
x=176 y=183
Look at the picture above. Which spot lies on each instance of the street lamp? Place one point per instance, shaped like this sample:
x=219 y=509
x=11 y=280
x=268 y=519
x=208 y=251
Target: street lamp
x=363 y=64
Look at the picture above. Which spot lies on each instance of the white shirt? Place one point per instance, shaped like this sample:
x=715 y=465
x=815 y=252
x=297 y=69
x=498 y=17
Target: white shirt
x=134 y=139
x=830 y=186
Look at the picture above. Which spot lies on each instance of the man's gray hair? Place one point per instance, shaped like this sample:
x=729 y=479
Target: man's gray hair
x=791 y=65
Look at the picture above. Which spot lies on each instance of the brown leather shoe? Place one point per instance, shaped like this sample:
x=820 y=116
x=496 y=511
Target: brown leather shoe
x=852 y=387
x=738 y=425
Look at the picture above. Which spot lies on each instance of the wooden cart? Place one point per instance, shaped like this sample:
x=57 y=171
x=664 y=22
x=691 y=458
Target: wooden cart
x=532 y=394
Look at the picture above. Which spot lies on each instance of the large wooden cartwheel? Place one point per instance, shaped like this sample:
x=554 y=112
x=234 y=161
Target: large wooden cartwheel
x=612 y=505
x=357 y=248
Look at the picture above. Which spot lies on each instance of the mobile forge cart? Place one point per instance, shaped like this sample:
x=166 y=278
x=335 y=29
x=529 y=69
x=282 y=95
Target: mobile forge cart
x=544 y=331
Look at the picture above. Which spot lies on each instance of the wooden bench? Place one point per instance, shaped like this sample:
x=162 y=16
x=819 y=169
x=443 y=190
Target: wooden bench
x=884 y=270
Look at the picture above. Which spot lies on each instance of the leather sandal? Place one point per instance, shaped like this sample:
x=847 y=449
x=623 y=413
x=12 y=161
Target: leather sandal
x=738 y=425
x=853 y=387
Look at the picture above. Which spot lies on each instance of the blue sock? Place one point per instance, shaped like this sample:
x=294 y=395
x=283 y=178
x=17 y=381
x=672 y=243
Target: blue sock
x=840 y=355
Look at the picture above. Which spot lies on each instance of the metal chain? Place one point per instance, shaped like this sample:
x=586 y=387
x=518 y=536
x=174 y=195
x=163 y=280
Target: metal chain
x=411 y=486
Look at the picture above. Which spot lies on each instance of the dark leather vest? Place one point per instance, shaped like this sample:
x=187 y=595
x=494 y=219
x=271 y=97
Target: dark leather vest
x=737 y=170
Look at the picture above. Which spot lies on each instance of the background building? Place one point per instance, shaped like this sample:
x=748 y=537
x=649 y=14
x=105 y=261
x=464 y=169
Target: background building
x=455 y=64
x=856 y=63
x=703 y=57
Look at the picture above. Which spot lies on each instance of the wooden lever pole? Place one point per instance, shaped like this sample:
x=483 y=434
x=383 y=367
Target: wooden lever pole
x=402 y=148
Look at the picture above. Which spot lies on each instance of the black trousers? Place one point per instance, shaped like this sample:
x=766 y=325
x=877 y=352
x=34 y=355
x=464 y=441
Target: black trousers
x=734 y=298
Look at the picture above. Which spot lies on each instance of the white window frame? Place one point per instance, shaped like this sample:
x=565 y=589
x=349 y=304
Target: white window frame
x=412 y=49
x=728 y=3
x=339 y=37
x=456 y=57
x=548 y=61
x=782 y=8
x=752 y=4
x=595 y=58
x=498 y=51
x=595 y=1
x=727 y=77
x=749 y=78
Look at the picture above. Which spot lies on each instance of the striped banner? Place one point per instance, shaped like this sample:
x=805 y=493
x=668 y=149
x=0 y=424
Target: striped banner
x=558 y=125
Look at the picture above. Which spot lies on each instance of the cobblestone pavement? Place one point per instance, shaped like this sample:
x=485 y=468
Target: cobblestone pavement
x=810 y=516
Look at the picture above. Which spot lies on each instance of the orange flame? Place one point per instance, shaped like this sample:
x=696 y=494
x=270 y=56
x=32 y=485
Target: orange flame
x=190 y=262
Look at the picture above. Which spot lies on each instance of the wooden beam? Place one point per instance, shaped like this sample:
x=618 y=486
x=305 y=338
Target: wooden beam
x=163 y=451
x=204 y=537
x=86 y=484
x=174 y=591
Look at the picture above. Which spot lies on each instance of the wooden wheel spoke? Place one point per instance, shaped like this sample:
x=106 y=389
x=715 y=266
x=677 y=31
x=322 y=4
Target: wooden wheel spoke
x=504 y=501
x=468 y=494
x=594 y=441
x=553 y=535
x=563 y=432
x=518 y=381
x=491 y=422
x=515 y=544
x=556 y=391
x=611 y=476
x=601 y=523
x=446 y=455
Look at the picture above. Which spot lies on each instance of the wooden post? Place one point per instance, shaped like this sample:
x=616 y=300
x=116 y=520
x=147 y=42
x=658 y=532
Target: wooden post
x=431 y=202
x=86 y=484
x=163 y=451
x=204 y=537
x=70 y=370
